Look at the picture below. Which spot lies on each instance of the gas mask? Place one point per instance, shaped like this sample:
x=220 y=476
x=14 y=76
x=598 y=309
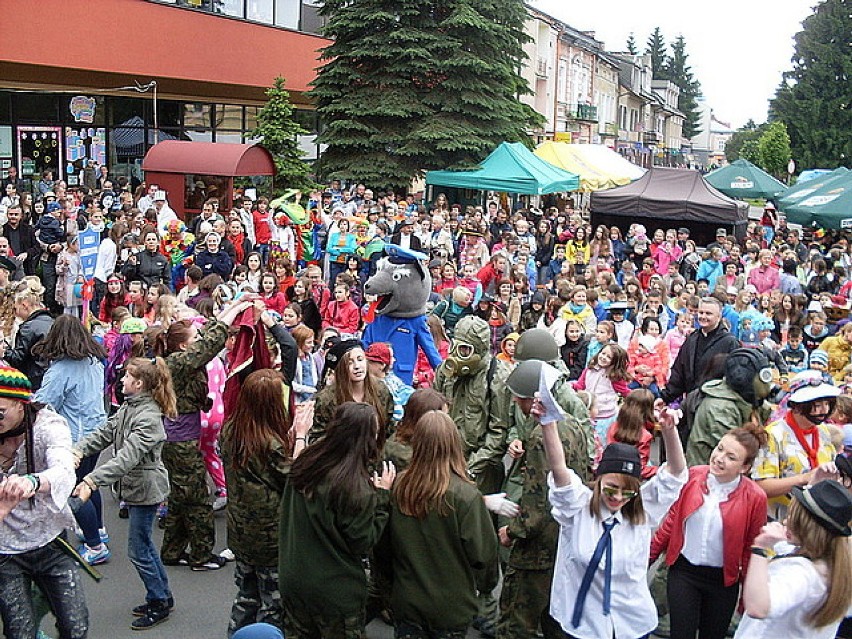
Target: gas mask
x=463 y=360
x=763 y=383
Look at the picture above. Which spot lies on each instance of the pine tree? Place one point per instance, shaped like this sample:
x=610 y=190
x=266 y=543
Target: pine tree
x=774 y=148
x=746 y=133
x=413 y=85
x=656 y=47
x=279 y=132
x=631 y=45
x=813 y=100
x=678 y=71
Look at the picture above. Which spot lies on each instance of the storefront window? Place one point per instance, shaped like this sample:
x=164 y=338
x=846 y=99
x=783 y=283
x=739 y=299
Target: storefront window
x=233 y=8
x=196 y=115
x=127 y=111
x=84 y=109
x=168 y=113
x=200 y=135
x=229 y=137
x=287 y=13
x=251 y=118
x=5 y=107
x=259 y=10
x=36 y=107
x=229 y=116
x=201 y=187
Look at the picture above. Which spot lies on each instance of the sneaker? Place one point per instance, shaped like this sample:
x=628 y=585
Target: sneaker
x=142 y=610
x=220 y=502
x=157 y=612
x=94 y=556
x=214 y=563
x=228 y=555
x=104 y=535
x=183 y=560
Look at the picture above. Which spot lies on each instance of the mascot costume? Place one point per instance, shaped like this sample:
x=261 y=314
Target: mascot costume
x=398 y=316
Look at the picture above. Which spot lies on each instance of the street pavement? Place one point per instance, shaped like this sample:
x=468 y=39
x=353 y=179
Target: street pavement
x=202 y=599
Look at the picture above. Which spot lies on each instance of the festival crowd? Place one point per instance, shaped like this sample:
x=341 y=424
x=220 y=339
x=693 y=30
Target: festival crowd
x=629 y=433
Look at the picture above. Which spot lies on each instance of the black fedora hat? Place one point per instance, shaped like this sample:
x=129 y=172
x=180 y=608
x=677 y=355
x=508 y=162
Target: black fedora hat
x=829 y=503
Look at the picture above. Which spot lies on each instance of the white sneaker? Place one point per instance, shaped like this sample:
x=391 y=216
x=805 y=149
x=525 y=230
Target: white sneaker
x=228 y=555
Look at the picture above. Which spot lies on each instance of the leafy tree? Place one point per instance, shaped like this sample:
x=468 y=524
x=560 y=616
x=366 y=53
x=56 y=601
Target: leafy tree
x=413 y=85
x=631 y=45
x=750 y=151
x=678 y=71
x=656 y=47
x=275 y=125
x=774 y=149
x=749 y=131
x=813 y=99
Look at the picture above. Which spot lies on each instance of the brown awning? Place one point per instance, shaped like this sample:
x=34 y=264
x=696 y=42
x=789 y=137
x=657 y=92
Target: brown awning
x=208 y=158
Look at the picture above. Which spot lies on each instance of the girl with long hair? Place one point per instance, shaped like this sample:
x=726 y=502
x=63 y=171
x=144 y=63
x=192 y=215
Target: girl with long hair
x=707 y=536
x=300 y=293
x=258 y=446
x=116 y=295
x=351 y=382
x=600 y=586
x=440 y=533
x=635 y=427
x=190 y=517
x=805 y=593
x=398 y=446
x=307 y=373
x=601 y=253
x=73 y=386
x=269 y=293
x=148 y=308
x=137 y=433
x=254 y=264
x=331 y=515
x=606 y=378
x=578 y=251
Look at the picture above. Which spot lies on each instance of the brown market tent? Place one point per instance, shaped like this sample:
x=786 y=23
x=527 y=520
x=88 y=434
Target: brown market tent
x=671 y=198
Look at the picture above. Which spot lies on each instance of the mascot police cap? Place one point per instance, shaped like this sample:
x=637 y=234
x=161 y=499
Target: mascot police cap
x=401 y=284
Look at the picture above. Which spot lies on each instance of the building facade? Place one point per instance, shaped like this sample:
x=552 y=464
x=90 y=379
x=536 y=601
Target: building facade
x=103 y=80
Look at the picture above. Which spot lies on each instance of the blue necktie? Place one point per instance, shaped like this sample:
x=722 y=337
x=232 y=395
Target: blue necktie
x=604 y=545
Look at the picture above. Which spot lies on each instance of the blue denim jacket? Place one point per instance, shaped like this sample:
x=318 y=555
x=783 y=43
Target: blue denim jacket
x=75 y=390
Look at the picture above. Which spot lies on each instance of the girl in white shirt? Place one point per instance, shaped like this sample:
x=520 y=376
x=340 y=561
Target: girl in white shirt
x=600 y=587
x=806 y=594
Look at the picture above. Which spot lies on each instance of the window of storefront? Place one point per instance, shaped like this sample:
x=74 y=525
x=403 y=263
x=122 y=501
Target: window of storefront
x=290 y=14
x=287 y=13
x=260 y=11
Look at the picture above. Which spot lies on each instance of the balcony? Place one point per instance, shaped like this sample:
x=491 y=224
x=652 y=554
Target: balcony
x=583 y=112
x=541 y=67
x=609 y=129
x=651 y=137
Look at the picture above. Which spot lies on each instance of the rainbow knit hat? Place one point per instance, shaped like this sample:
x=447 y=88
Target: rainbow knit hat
x=14 y=384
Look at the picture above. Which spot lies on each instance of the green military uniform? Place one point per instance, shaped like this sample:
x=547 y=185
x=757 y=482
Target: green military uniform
x=190 y=518
x=325 y=403
x=321 y=578
x=437 y=562
x=526 y=583
x=254 y=493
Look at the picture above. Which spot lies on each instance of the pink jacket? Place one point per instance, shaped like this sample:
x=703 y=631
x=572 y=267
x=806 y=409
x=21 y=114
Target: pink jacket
x=765 y=279
x=665 y=255
x=604 y=390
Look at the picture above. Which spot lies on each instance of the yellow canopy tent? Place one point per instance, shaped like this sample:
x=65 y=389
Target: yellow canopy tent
x=598 y=166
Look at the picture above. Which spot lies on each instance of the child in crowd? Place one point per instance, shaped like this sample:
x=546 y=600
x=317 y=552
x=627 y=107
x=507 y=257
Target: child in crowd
x=555 y=267
x=635 y=426
x=646 y=366
x=604 y=334
x=307 y=375
x=815 y=332
x=507 y=350
x=574 y=349
x=748 y=336
x=818 y=361
x=794 y=354
x=607 y=379
x=674 y=339
x=70 y=273
x=342 y=313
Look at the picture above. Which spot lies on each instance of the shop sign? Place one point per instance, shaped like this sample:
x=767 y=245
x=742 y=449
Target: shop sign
x=741 y=182
x=83 y=109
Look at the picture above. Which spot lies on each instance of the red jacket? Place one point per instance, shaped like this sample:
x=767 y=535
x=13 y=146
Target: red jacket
x=344 y=316
x=743 y=515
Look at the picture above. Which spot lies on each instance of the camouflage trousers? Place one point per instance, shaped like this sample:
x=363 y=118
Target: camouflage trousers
x=301 y=623
x=404 y=630
x=258 y=599
x=524 y=599
x=190 y=518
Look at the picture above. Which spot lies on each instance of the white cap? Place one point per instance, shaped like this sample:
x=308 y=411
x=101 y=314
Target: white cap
x=160 y=196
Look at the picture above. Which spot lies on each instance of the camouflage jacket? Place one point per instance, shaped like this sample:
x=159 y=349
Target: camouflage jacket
x=470 y=403
x=188 y=368
x=254 y=493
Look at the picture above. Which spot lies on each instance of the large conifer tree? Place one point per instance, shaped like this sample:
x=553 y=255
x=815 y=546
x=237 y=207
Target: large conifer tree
x=413 y=85
x=656 y=47
x=814 y=98
x=678 y=71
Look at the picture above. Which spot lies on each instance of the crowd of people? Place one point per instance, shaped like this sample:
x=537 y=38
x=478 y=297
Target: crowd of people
x=221 y=360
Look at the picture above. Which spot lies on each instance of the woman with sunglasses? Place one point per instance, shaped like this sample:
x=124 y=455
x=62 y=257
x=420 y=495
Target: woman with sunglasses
x=600 y=587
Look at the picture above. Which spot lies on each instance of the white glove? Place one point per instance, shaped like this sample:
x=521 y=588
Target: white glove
x=499 y=505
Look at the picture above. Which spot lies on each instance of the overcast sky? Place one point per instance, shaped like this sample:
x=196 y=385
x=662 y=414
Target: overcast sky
x=737 y=48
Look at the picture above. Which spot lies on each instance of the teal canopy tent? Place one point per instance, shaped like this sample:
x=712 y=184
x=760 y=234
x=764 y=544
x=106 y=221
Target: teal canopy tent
x=829 y=207
x=511 y=168
x=742 y=179
x=802 y=190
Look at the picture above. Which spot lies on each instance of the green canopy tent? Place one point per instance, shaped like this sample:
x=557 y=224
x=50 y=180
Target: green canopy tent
x=742 y=179
x=829 y=207
x=511 y=168
x=802 y=190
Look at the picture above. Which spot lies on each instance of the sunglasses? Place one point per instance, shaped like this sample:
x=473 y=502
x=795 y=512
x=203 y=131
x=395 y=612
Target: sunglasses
x=612 y=491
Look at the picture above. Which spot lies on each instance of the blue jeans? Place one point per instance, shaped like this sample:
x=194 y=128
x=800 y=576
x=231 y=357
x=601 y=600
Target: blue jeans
x=144 y=555
x=88 y=514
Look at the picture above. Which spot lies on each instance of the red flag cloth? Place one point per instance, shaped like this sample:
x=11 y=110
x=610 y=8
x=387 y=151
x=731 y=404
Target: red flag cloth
x=249 y=353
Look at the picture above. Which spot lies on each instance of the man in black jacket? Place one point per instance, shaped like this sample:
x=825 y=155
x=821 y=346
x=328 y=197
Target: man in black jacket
x=405 y=237
x=688 y=370
x=22 y=240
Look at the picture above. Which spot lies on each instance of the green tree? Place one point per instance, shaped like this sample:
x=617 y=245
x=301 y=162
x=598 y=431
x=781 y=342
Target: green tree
x=750 y=150
x=413 y=85
x=279 y=132
x=678 y=71
x=656 y=47
x=749 y=131
x=774 y=149
x=631 y=45
x=813 y=100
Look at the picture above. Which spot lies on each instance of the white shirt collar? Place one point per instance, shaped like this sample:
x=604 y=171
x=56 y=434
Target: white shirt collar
x=715 y=487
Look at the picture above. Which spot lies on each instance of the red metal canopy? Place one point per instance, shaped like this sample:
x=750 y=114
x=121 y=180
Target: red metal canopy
x=208 y=158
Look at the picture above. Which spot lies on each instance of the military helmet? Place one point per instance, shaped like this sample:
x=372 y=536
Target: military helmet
x=536 y=343
x=523 y=381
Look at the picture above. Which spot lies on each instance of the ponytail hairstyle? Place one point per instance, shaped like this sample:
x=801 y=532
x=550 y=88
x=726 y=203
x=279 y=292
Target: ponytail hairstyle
x=636 y=410
x=819 y=544
x=157 y=380
x=170 y=339
x=436 y=457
